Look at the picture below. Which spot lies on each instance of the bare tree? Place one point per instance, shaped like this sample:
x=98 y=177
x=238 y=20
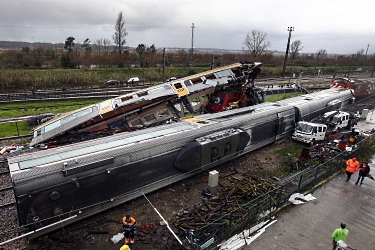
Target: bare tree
x=295 y=48
x=99 y=44
x=256 y=43
x=322 y=53
x=120 y=32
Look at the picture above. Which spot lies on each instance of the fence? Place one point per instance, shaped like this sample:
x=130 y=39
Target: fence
x=266 y=206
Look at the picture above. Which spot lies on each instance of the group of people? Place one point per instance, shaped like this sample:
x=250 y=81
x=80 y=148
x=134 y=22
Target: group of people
x=352 y=166
x=340 y=234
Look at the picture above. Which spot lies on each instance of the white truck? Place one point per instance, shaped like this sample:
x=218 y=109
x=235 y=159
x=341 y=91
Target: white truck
x=338 y=120
x=310 y=132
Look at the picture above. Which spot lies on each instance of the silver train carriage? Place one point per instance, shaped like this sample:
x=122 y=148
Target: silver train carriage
x=72 y=182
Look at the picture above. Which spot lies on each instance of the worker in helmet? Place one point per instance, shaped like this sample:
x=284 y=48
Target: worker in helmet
x=125 y=247
x=128 y=223
x=352 y=166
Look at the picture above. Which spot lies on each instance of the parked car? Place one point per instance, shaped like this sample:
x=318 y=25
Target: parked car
x=133 y=80
x=172 y=78
x=113 y=83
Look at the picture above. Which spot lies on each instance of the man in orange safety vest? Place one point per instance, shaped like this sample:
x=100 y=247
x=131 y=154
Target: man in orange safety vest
x=352 y=166
x=128 y=223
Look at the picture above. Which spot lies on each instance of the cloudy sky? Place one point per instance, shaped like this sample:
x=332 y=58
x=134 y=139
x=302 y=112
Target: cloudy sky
x=339 y=26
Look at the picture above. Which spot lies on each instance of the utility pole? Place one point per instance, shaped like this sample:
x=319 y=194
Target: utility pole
x=143 y=65
x=213 y=61
x=192 y=46
x=368 y=45
x=290 y=29
x=164 y=65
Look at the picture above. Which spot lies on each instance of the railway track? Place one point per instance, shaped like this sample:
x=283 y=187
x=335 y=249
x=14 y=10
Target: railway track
x=8 y=209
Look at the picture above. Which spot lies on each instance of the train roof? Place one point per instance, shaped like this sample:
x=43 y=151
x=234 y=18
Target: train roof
x=95 y=146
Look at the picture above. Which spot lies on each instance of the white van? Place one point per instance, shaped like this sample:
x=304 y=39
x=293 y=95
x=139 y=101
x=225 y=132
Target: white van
x=309 y=132
x=133 y=80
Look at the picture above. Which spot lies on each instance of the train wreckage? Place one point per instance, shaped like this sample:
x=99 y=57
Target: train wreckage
x=220 y=88
x=55 y=187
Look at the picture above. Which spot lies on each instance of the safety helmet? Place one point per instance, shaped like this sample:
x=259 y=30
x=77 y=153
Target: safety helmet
x=354 y=159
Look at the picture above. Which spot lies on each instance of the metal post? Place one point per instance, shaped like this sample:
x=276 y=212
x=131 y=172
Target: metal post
x=299 y=183
x=164 y=65
x=192 y=46
x=290 y=29
x=212 y=62
x=18 y=132
x=143 y=66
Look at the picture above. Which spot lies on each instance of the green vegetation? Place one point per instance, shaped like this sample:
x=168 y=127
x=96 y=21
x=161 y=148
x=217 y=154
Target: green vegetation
x=290 y=152
x=14 y=129
x=23 y=79
x=280 y=97
x=37 y=108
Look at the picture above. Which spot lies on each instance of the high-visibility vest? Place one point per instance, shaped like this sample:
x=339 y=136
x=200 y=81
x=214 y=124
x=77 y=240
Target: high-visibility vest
x=352 y=166
x=132 y=221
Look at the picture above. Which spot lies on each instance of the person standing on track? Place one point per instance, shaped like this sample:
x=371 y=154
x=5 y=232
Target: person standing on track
x=339 y=234
x=128 y=223
x=352 y=166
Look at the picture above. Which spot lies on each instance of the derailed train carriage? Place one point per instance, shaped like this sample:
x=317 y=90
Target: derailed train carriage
x=58 y=186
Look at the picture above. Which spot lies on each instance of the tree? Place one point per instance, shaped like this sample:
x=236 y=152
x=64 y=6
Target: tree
x=322 y=53
x=86 y=46
x=120 y=32
x=295 y=48
x=69 y=43
x=145 y=52
x=256 y=43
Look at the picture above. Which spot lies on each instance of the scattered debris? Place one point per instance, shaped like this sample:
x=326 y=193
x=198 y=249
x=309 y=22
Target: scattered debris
x=298 y=198
x=116 y=238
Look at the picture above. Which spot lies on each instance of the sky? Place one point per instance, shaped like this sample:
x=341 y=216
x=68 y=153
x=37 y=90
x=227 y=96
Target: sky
x=338 y=26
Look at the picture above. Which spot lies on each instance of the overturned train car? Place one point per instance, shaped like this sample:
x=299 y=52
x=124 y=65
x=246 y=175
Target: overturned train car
x=58 y=186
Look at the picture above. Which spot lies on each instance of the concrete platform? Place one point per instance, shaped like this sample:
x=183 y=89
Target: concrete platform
x=310 y=225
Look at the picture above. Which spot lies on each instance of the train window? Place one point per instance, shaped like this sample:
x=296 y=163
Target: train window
x=136 y=122
x=149 y=117
x=224 y=73
x=157 y=90
x=211 y=77
x=197 y=80
x=187 y=83
x=40 y=161
x=142 y=93
x=178 y=85
x=126 y=98
x=52 y=126
x=167 y=87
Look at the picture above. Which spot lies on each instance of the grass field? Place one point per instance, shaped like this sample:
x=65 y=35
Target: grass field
x=57 y=107
x=37 y=108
